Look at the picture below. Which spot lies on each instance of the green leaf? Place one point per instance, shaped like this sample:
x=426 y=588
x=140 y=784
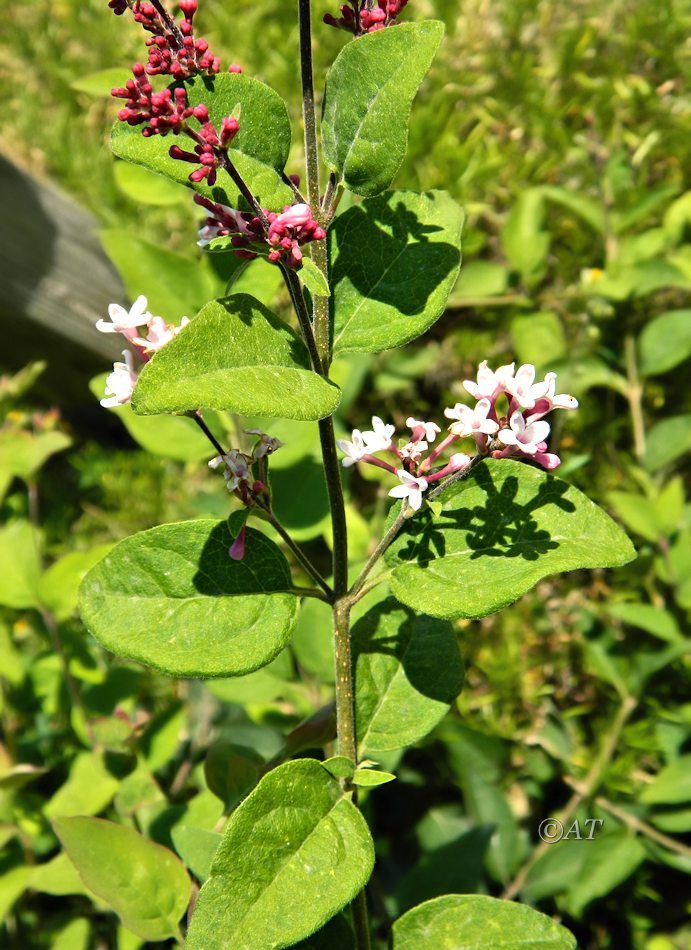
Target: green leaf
x=59 y=585
x=672 y=785
x=523 y=239
x=460 y=922
x=666 y=441
x=489 y=807
x=556 y=869
x=665 y=342
x=58 y=877
x=538 y=338
x=395 y=259
x=145 y=884
x=75 y=936
x=231 y=771
x=259 y=150
x=197 y=848
x=313 y=279
x=610 y=859
x=87 y=791
x=293 y=854
x=173 y=437
x=480 y=279
x=503 y=528
x=20 y=565
x=654 y=620
x=13 y=883
x=585 y=208
x=22 y=454
x=175 y=285
x=237 y=356
x=172 y=598
x=408 y=671
x=638 y=513
x=370 y=778
x=312 y=641
x=147 y=188
x=340 y=766
x=367 y=102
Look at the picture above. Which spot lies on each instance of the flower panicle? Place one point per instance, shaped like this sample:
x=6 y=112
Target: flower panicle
x=132 y=324
x=287 y=232
x=507 y=421
x=366 y=16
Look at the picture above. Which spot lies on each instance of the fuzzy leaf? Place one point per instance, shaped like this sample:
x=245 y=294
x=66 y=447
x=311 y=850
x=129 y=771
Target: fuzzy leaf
x=502 y=529
x=145 y=884
x=293 y=854
x=367 y=101
x=237 y=356
x=395 y=260
x=313 y=279
x=172 y=598
x=408 y=672
x=259 y=150
x=466 y=922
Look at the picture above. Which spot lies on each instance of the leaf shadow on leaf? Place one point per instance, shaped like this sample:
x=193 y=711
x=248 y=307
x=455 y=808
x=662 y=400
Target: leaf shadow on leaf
x=244 y=308
x=426 y=262
x=262 y=570
x=500 y=528
x=421 y=669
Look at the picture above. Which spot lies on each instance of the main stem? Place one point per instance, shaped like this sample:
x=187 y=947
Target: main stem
x=345 y=685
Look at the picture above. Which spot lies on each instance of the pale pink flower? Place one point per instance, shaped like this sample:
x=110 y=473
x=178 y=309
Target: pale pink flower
x=378 y=439
x=413 y=450
x=158 y=334
x=523 y=387
x=125 y=321
x=489 y=383
x=235 y=465
x=525 y=436
x=295 y=217
x=353 y=450
x=551 y=400
x=423 y=430
x=472 y=421
x=266 y=445
x=410 y=488
x=120 y=383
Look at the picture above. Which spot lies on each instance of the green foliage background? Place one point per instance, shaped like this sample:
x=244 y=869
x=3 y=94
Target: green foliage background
x=563 y=129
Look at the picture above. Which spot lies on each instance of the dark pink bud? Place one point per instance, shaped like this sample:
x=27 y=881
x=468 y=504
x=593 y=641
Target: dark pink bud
x=201 y=113
x=319 y=234
x=188 y=7
x=234 y=68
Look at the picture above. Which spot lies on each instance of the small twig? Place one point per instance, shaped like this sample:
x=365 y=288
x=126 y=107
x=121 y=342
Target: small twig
x=634 y=395
x=296 y=191
x=310 y=592
x=169 y=22
x=197 y=416
x=293 y=284
x=328 y=197
x=395 y=527
x=637 y=824
x=300 y=556
x=456 y=477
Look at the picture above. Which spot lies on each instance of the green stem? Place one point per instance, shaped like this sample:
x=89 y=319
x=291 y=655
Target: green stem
x=317 y=248
x=299 y=555
x=292 y=282
x=634 y=394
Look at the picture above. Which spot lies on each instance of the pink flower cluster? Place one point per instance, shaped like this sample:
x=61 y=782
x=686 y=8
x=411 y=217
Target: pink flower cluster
x=366 y=16
x=121 y=382
x=506 y=421
x=287 y=231
x=173 y=49
x=208 y=152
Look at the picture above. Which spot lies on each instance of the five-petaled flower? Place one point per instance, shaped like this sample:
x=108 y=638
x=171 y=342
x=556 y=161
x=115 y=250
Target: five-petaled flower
x=472 y=421
x=120 y=383
x=410 y=488
x=526 y=436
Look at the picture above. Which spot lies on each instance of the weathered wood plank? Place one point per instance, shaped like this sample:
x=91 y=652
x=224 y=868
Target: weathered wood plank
x=55 y=283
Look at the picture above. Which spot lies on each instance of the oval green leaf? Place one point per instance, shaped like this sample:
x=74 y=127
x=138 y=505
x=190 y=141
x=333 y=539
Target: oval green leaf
x=235 y=355
x=172 y=598
x=259 y=150
x=466 y=922
x=367 y=100
x=395 y=261
x=501 y=530
x=408 y=671
x=144 y=883
x=665 y=342
x=293 y=854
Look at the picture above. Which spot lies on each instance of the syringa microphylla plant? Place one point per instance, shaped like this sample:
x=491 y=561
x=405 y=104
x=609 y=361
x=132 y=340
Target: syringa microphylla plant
x=476 y=519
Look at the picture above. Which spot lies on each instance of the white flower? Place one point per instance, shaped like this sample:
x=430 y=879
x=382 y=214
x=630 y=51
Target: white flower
x=523 y=387
x=526 y=436
x=378 y=439
x=120 y=383
x=354 y=450
x=488 y=381
x=429 y=429
x=413 y=450
x=551 y=400
x=125 y=320
x=471 y=421
x=458 y=461
x=158 y=334
x=410 y=488
x=267 y=445
x=236 y=468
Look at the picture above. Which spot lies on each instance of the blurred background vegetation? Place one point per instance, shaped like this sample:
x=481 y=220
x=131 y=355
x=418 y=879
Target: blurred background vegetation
x=563 y=129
